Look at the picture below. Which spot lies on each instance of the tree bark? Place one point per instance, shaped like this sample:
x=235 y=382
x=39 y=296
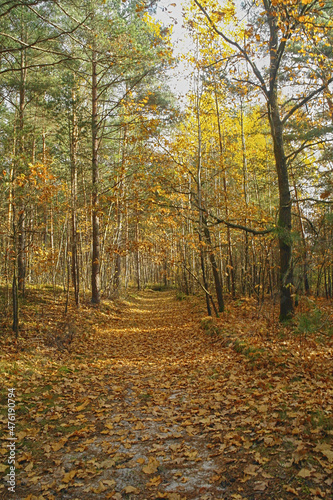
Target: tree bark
x=217 y=281
x=21 y=250
x=74 y=242
x=95 y=270
x=231 y=272
x=284 y=221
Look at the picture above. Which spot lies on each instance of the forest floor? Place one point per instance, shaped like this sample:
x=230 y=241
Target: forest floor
x=142 y=399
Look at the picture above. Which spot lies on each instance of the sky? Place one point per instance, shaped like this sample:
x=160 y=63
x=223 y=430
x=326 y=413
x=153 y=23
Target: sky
x=169 y=12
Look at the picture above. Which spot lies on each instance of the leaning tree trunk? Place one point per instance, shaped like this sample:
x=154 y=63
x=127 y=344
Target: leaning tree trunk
x=217 y=280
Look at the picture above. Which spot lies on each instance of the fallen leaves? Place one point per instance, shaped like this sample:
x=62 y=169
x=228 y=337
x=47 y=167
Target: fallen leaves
x=260 y=486
x=154 y=482
x=157 y=404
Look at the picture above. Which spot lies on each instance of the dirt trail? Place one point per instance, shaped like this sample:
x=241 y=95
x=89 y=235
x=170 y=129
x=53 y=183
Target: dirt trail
x=149 y=407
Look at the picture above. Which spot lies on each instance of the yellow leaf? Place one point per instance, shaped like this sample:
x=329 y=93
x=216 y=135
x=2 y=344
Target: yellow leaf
x=260 y=486
x=290 y=489
x=59 y=444
x=29 y=467
x=251 y=470
x=139 y=426
x=131 y=489
x=69 y=476
x=109 y=482
x=81 y=407
x=106 y=464
x=326 y=450
x=21 y=435
x=101 y=488
x=155 y=481
x=152 y=466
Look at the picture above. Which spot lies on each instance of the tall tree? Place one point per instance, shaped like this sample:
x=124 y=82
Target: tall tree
x=274 y=25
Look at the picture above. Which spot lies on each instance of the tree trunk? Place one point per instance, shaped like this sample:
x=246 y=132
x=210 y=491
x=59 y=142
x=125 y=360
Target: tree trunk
x=95 y=270
x=73 y=147
x=305 y=253
x=21 y=250
x=231 y=272
x=200 y=231
x=284 y=221
x=217 y=281
x=246 y=236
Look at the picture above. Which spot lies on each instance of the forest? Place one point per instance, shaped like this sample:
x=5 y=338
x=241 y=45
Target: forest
x=108 y=183
x=144 y=226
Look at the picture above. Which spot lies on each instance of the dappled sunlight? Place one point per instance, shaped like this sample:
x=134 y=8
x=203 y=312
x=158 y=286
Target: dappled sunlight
x=144 y=390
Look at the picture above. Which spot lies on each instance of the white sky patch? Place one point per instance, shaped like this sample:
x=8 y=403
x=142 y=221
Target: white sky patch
x=170 y=14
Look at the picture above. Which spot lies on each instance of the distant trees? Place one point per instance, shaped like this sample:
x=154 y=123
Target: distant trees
x=67 y=72
x=106 y=184
x=272 y=28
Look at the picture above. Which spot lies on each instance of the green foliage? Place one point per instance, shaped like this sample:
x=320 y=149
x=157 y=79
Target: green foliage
x=181 y=296
x=157 y=287
x=250 y=352
x=309 y=322
x=321 y=419
x=208 y=324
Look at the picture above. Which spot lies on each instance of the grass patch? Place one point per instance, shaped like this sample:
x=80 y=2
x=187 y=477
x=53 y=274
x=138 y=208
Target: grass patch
x=64 y=370
x=319 y=419
x=250 y=352
x=181 y=296
x=209 y=325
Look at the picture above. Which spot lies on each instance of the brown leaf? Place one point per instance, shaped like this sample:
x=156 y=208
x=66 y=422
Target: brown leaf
x=260 y=486
x=57 y=446
x=326 y=450
x=304 y=473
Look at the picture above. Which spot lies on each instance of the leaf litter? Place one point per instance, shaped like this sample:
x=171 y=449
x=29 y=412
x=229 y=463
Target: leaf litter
x=144 y=404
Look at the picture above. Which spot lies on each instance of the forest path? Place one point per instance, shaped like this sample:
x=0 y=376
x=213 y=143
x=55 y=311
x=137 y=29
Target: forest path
x=145 y=405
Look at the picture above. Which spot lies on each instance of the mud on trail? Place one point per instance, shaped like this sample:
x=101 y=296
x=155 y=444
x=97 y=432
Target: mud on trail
x=143 y=405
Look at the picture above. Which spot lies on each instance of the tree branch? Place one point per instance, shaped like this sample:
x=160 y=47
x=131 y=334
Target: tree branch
x=237 y=46
x=306 y=99
x=239 y=226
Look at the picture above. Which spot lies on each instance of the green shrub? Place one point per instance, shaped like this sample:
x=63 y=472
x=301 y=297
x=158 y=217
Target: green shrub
x=181 y=296
x=309 y=322
x=208 y=324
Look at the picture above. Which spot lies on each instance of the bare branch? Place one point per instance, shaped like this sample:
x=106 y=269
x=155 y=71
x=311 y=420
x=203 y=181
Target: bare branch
x=306 y=99
x=256 y=232
x=238 y=47
x=314 y=200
